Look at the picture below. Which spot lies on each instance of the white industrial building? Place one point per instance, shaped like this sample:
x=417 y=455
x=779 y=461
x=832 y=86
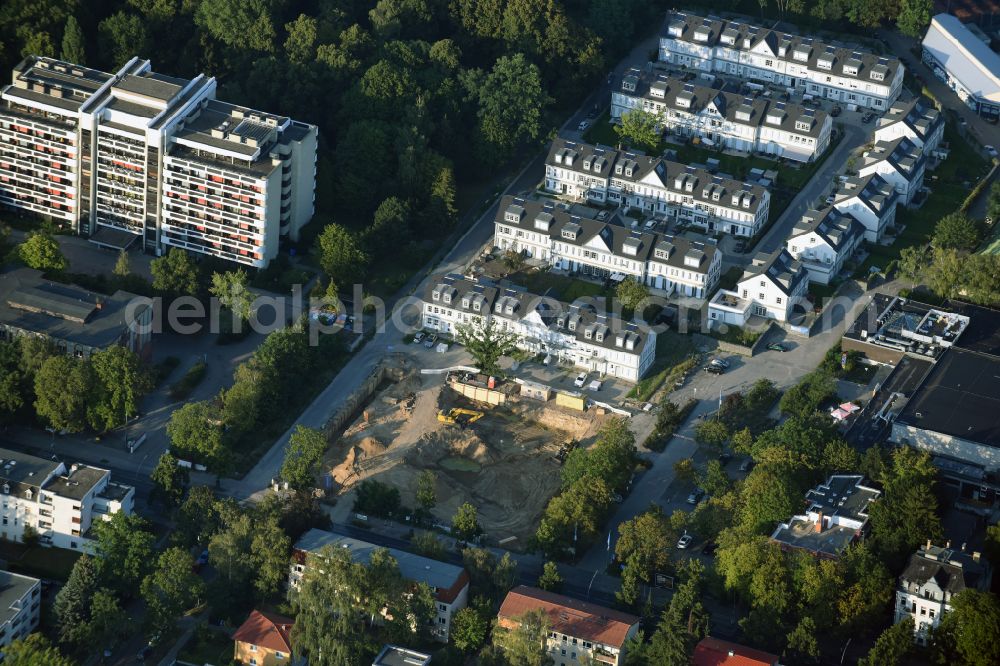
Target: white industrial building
x=969 y=67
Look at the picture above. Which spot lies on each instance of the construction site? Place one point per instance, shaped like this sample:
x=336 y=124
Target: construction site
x=502 y=452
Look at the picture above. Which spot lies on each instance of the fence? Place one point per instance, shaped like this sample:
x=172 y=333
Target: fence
x=355 y=400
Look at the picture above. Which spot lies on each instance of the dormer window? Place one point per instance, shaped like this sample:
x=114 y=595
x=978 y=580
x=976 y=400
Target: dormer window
x=877 y=75
x=436 y=295
x=599 y=336
x=743 y=116
x=465 y=302
x=572 y=324
x=661 y=254
x=447 y=297
x=588 y=333
x=774 y=118
x=825 y=62
x=629 y=83
x=586 y=165
x=802 y=125
x=801 y=53
x=701 y=34
x=628 y=171
x=618 y=169
x=477 y=305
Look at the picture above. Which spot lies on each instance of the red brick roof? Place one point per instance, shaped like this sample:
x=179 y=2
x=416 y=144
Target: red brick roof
x=570 y=616
x=713 y=652
x=266 y=630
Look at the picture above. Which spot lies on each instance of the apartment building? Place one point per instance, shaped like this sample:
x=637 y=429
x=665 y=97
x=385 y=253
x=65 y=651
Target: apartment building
x=77 y=321
x=933 y=576
x=969 y=66
x=715 y=652
x=656 y=187
x=823 y=240
x=264 y=639
x=916 y=119
x=579 y=632
x=61 y=504
x=603 y=247
x=725 y=118
x=394 y=655
x=771 y=286
x=138 y=157
x=849 y=75
x=836 y=517
x=20 y=606
x=900 y=162
x=448 y=583
x=871 y=200
x=572 y=333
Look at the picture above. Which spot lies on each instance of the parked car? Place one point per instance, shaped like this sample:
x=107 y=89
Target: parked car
x=777 y=346
x=709 y=548
x=868 y=117
x=695 y=496
x=740 y=247
x=684 y=541
x=580 y=380
x=596 y=385
x=419 y=337
x=835 y=111
x=714 y=369
x=991 y=151
x=746 y=465
x=721 y=362
x=431 y=339
x=584 y=124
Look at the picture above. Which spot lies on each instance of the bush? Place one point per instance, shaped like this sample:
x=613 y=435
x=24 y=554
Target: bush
x=668 y=419
x=377 y=499
x=163 y=369
x=183 y=388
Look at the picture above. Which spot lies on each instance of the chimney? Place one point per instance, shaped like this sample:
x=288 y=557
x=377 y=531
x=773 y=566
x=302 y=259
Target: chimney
x=819 y=523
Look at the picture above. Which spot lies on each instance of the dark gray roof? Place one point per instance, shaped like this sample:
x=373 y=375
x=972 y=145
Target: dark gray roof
x=952 y=570
x=918 y=114
x=843 y=495
x=835 y=228
x=12 y=588
x=151 y=84
x=904 y=156
x=783 y=270
x=77 y=483
x=393 y=655
x=873 y=190
x=21 y=471
x=982 y=334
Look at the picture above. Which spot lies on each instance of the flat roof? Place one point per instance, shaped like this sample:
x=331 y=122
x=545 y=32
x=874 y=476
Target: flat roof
x=959 y=398
x=12 y=587
x=966 y=58
x=393 y=655
x=982 y=334
x=77 y=483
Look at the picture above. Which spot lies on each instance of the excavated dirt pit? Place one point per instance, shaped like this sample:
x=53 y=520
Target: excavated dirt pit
x=503 y=463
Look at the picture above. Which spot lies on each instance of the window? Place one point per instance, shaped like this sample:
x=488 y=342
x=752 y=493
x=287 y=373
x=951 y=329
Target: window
x=442 y=607
x=441 y=620
x=779 y=300
x=923 y=611
x=279 y=655
x=253 y=648
x=931 y=612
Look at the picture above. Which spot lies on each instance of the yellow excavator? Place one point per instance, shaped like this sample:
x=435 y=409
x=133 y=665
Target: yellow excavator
x=459 y=417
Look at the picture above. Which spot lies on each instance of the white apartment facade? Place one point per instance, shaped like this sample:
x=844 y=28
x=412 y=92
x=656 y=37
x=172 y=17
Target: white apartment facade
x=900 y=162
x=543 y=230
x=871 y=200
x=60 y=504
x=20 y=606
x=572 y=333
x=916 y=120
x=725 y=119
x=823 y=241
x=137 y=157
x=848 y=75
x=656 y=187
x=771 y=287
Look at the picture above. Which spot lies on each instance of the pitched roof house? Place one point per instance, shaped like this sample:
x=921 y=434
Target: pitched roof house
x=714 y=652
x=264 y=639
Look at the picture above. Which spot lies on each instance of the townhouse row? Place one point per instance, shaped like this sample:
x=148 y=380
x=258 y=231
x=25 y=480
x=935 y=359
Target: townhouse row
x=656 y=187
x=849 y=75
x=137 y=157
x=725 y=118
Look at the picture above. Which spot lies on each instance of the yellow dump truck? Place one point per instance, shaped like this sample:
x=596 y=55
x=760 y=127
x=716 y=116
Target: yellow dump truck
x=459 y=417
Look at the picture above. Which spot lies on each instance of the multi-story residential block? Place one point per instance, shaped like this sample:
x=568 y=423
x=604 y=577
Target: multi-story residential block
x=871 y=200
x=916 y=119
x=575 y=333
x=448 y=583
x=970 y=67
x=564 y=240
x=836 y=517
x=140 y=157
x=20 y=604
x=900 y=162
x=394 y=655
x=60 y=504
x=822 y=241
x=579 y=632
x=657 y=187
x=77 y=321
x=771 y=286
x=719 y=117
x=848 y=75
x=933 y=576
x=264 y=639
x=715 y=652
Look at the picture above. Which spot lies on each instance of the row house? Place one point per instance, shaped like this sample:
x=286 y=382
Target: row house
x=871 y=200
x=823 y=240
x=138 y=157
x=578 y=333
x=656 y=187
x=900 y=162
x=915 y=119
x=60 y=504
x=849 y=75
x=933 y=576
x=579 y=632
x=448 y=583
x=548 y=232
x=748 y=123
x=771 y=286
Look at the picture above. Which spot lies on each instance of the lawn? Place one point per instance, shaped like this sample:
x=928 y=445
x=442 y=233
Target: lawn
x=208 y=647
x=53 y=563
x=672 y=353
x=561 y=287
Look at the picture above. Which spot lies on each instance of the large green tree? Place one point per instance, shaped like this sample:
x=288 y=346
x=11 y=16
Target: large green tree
x=121 y=37
x=169 y=480
x=73 y=42
x=233 y=291
x=340 y=255
x=240 y=24
x=63 y=387
x=125 y=552
x=121 y=380
x=41 y=251
x=892 y=646
x=175 y=273
x=914 y=16
x=487 y=343
x=195 y=431
x=171 y=588
x=639 y=129
x=511 y=102
x=970 y=633
x=525 y=642
x=34 y=650
x=73 y=603
x=957 y=231
x=303 y=457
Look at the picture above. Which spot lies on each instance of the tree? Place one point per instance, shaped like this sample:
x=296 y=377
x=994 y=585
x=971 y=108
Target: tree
x=768 y=498
x=198 y=518
x=577 y=511
x=169 y=480
x=465 y=523
x=427 y=490
x=639 y=129
x=892 y=646
x=175 y=273
x=914 y=16
x=550 y=579
x=34 y=650
x=912 y=262
x=232 y=290
x=630 y=293
x=513 y=260
x=901 y=520
x=428 y=545
x=487 y=343
x=524 y=643
x=41 y=252
x=123 y=266
x=171 y=588
x=340 y=254
x=240 y=24
x=972 y=628
x=511 y=102
x=993 y=205
x=195 y=431
x=120 y=382
x=73 y=43
x=715 y=481
x=712 y=433
x=63 y=386
x=303 y=457
x=647 y=541
x=73 y=603
x=469 y=629
x=803 y=647
x=301 y=42
x=685 y=470
x=120 y=37
x=683 y=623
x=377 y=498
x=125 y=551
x=956 y=231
